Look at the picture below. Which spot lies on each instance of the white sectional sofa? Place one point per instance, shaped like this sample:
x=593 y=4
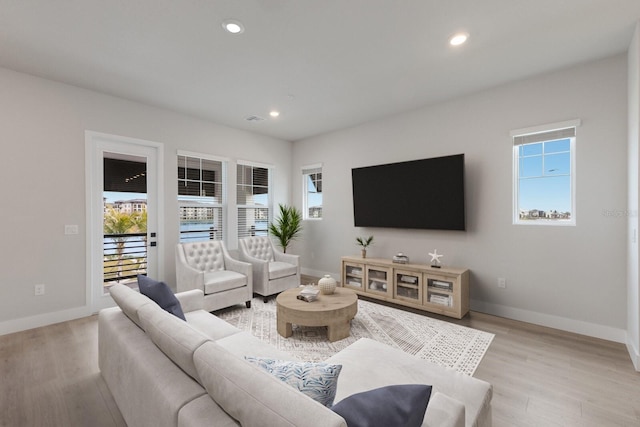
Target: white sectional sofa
x=163 y=371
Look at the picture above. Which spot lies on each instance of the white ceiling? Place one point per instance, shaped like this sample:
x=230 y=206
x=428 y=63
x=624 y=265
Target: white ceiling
x=324 y=64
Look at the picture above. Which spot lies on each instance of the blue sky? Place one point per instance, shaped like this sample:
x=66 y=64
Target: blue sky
x=545 y=176
x=313 y=198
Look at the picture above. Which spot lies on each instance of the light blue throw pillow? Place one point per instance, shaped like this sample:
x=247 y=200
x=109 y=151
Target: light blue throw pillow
x=317 y=380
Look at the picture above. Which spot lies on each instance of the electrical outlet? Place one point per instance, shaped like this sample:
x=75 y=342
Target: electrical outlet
x=70 y=229
x=38 y=290
x=502 y=282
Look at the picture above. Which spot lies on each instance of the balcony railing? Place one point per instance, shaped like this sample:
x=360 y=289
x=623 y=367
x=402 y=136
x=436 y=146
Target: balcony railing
x=196 y=234
x=124 y=256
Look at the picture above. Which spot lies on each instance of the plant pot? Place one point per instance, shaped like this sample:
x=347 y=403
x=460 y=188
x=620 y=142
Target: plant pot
x=364 y=253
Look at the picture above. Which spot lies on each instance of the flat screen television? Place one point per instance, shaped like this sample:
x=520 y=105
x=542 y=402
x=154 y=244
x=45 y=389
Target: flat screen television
x=418 y=194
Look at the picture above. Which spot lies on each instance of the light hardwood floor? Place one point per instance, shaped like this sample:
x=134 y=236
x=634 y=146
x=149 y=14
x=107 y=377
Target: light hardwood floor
x=541 y=377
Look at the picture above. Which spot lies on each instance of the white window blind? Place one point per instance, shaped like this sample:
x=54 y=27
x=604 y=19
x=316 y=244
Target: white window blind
x=253 y=199
x=545 y=136
x=201 y=197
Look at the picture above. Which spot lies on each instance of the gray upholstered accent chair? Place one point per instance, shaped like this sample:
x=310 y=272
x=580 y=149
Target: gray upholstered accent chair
x=208 y=266
x=273 y=270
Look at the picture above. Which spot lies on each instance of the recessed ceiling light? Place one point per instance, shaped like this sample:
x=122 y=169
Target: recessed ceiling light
x=274 y=113
x=458 y=39
x=232 y=26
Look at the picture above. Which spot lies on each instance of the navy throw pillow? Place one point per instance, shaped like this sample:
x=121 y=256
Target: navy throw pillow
x=161 y=294
x=395 y=405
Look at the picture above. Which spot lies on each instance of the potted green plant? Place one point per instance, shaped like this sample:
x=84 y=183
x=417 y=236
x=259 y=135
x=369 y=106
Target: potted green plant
x=287 y=226
x=364 y=242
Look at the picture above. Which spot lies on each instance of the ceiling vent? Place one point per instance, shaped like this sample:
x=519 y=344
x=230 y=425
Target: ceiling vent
x=254 y=118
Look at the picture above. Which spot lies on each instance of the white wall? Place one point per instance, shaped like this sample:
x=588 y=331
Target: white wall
x=566 y=277
x=633 y=281
x=42 y=136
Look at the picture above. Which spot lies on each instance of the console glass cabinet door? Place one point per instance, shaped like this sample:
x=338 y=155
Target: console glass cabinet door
x=407 y=285
x=378 y=280
x=353 y=276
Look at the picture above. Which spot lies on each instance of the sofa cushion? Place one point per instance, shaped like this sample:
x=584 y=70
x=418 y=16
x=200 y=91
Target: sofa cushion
x=129 y=301
x=161 y=294
x=210 y=325
x=445 y=411
x=223 y=280
x=317 y=380
x=396 y=405
x=278 y=269
x=175 y=338
x=363 y=357
x=245 y=344
x=204 y=411
x=255 y=398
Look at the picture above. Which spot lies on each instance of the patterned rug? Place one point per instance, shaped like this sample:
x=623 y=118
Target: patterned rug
x=440 y=342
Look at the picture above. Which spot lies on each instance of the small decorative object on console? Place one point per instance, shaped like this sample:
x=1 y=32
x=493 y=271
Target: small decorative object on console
x=400 y=258
x=435 y=258
x=327 y=285
x=364 y=242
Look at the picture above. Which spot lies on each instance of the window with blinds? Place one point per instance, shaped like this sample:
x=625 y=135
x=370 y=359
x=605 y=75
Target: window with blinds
x=312 y=192
x=544 y=174
x=253 y=200
x=201 y=197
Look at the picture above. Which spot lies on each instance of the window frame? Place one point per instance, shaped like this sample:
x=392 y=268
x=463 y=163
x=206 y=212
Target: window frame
x=542 y=134
x=270 y=174
x=222 y=205
x=306 y=172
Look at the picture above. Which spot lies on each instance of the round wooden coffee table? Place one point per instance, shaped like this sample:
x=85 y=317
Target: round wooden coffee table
x=334 y=311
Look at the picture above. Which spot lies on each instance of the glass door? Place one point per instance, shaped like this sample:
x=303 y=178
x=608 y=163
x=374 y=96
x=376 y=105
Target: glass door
x=123 y=215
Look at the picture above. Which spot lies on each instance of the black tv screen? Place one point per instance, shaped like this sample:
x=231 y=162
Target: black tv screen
x=421 y=194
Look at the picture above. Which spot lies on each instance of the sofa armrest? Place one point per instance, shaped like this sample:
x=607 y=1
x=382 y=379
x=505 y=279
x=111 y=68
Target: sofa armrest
x=237 y=266
x=191 y=300
x=187 y=277
x=444 y=411
x=259 y=266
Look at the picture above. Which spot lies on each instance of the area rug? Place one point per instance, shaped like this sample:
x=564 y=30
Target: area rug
x=443 y=343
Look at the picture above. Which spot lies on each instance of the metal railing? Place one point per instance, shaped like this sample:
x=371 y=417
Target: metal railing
x=191 y=235
x=124 y=256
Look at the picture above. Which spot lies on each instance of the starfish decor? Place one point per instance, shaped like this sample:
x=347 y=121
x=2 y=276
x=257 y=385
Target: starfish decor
x=435 y=258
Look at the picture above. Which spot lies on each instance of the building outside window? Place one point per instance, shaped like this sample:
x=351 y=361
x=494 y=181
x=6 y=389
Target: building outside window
x=201 y=197
x=253 y=199
x=544 y=174
x=312 y=192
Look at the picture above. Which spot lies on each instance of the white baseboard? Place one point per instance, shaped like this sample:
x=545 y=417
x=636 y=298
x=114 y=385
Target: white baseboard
x=24 y=323
x=541 y=319
x=633 y=353
x=570 y=325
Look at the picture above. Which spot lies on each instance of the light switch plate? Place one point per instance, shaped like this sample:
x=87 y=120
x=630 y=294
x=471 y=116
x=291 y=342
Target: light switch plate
x=70 y=229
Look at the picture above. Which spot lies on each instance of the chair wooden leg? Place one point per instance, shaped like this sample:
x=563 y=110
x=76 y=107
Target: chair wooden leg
x=248 y=304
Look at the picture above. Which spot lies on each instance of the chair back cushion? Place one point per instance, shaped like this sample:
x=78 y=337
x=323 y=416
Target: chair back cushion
x=204 y=256
x=258 y=247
